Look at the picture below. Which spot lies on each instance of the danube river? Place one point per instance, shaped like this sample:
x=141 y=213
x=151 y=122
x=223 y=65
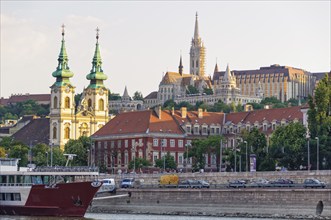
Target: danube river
x=96 y=216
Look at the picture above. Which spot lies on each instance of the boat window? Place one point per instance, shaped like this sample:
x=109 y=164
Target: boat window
x=27 y=179
x=45 y=179
x=37 y=180
x=11 y=179
x=19 y=179
x=10 y=196
x=3 y=179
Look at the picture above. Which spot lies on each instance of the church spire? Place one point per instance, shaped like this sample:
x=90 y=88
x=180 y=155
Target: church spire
x=96 y=75
x=196 y=28
x=62 y=72
x=216 y=67
x=180 y=67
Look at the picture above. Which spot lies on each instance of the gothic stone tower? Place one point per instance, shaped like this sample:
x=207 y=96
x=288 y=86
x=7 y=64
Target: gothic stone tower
x=197 y=53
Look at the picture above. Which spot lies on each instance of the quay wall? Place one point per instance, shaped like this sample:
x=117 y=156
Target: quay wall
x=224 y=177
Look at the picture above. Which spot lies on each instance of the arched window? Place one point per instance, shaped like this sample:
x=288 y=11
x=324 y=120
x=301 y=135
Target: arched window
x=101 y=105
x=54 y=132
x=55 y=102
x=67 y=133
x=67 y=102
x=197 y=63
x=89 y=103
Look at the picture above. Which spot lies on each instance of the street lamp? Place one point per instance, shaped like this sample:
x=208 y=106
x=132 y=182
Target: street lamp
x=221 y=149
x=134 y=156
x=88 y=157
x=318 y=156
x=235 y=152
x=186 y=145
x=308 y=149
x=246 y=157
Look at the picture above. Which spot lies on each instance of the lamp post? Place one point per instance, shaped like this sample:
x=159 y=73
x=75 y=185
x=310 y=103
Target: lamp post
x=246 y=157
x=47 y=158
x=134 y=156
x=235 y=152
x=318 y=156
x=308 y=149
x=88 y=157
x=51 y=154
x=221 y=156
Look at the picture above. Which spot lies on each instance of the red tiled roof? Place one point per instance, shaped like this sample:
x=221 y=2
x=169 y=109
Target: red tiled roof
x=275 y=114
x=35 y=97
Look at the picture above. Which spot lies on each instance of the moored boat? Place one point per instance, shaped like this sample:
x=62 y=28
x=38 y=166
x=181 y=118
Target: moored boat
x=47 y=191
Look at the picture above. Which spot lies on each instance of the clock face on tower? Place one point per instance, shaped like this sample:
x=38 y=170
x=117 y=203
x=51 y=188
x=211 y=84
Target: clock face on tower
x=101 y=92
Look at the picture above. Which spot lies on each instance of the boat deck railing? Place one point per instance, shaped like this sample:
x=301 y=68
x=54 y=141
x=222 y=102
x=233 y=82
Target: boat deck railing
x=66 y=169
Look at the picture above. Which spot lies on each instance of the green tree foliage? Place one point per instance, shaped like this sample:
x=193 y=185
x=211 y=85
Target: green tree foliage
x=139 y=163
x=187 y=105
x=200 y=147
x=80 y=148
x=208 y=91
x=138 y=96
x=256 y=144
x=19 y=151
x=219 y=107
x=77 y=98
x=29 y=107
x=288 y=144
x=2 y=152
x=169 y=104
x=168 y=160
x=191 y=90
x=113 y=96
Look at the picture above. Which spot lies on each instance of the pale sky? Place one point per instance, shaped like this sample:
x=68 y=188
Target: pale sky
x=141 y=40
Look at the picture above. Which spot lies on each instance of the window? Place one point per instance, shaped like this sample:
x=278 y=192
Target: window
x=112 y=144
x=196 y=130
x=217 y=130
x=265 y=127
x=89 y=103
x=67 y=133
x=273 y=126
x=188 y=129
x=164 y=143
x=126 y=143
x=204 y=130
x=67 y=102
x=180 y=143
x=180 y=159
x=55 y=102
x=155 y=142
x=54 y=132
x=101 y=105
x=172 y=143
x=213 y=130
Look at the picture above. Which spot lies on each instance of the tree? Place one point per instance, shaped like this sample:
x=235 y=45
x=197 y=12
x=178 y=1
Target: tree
x=19 y=151
x=288 y=144
x=138 y=96
x=191 y=90
x=256 y=144
x=113 y=96
x=2 y=152
x=168 y=161
x=200 y=147
x=208 y=91
x=169 y=104
x=187 y=105
x=80 y=148
x=139 y=163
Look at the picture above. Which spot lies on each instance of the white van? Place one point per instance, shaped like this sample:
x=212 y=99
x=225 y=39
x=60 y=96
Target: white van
x=108 y=185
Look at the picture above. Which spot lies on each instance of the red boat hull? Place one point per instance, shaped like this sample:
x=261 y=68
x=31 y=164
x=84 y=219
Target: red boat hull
x=65 y=199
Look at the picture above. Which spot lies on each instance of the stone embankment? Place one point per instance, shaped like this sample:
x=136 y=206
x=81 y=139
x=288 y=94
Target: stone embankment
x=271 y=203
x=293 y=203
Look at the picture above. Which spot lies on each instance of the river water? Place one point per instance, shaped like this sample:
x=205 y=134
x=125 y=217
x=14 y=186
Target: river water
x=99 y=216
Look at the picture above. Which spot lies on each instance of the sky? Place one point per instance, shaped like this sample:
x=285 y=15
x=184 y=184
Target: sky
x=141 y=40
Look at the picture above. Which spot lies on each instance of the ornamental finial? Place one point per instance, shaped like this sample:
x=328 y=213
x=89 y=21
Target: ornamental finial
x=97 y=30
x=63 y=29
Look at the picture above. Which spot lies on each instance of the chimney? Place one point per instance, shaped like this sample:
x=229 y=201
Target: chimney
x=173 y=111
x=158 y=111
x=200 y=113
x=183 y=111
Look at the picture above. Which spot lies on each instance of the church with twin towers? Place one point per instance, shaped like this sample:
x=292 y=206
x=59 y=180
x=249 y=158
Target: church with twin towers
x=68 y=121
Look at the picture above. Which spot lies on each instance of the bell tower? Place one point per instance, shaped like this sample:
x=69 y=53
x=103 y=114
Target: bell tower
x=62 y=107
x=197 y=52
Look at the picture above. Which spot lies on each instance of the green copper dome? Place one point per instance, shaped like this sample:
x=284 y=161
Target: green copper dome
x=62 y=72
x=96 y=75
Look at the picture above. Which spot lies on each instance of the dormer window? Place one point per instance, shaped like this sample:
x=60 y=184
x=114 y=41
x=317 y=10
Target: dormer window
x=188 y=129
x=217 y=130
x=265 y=127
x=196 y=129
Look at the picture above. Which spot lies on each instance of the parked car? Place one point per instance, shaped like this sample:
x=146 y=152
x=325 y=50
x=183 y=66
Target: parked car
x=108 y=185
x=313 y=183
x=204 y=183
x=237 y=184
x=127 y=183
x=281 y=182
x=184 y=184
x=195 y=184
x=261 y=182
